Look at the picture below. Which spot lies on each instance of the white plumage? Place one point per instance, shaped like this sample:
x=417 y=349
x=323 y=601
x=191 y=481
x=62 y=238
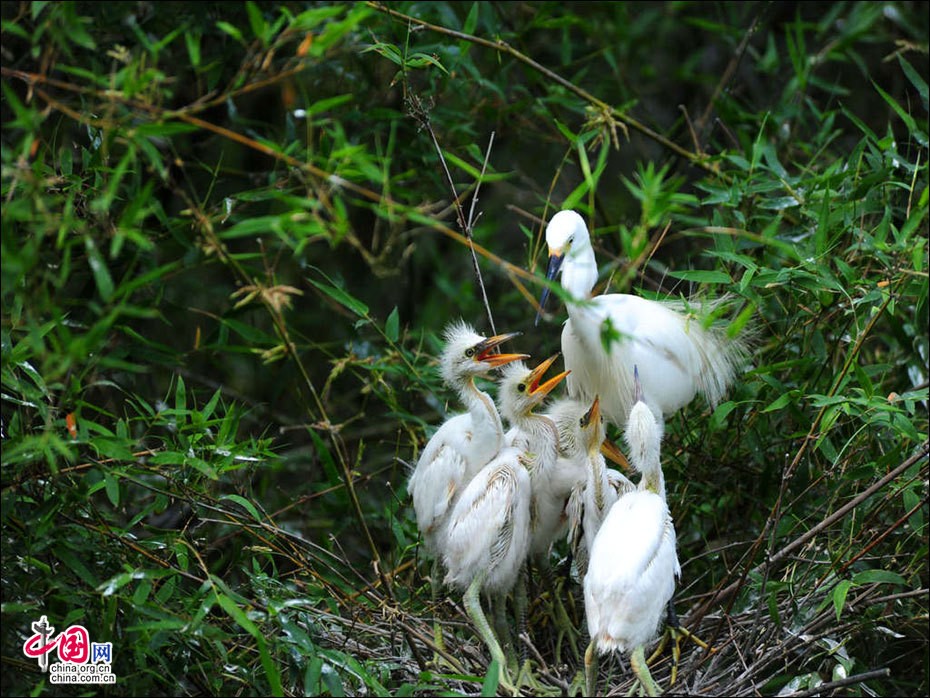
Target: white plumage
x=537 y=438
x=488 y=530
x=631 y=573
x=605 y=336
x=465 y=442
x=488 y=534
x=596 y=487
x=634 y=564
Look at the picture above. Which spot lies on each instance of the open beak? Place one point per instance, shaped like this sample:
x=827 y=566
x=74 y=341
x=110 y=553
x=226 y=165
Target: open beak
x=555 y=263
x=608 y=447
x=610 y=450
x=536 y=375
x=483 y=350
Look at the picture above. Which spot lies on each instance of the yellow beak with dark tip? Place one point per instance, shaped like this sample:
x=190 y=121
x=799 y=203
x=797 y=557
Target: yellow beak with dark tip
x=533 y=386
x=482 y=350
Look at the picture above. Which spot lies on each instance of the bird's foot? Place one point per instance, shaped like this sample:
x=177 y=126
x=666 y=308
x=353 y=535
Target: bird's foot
x=577 y=687
x=566 y=629
x=641 y=669
x=676 y=634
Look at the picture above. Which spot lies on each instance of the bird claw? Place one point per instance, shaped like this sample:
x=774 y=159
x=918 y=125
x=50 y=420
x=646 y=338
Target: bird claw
x=676 y=633
x=566 y=629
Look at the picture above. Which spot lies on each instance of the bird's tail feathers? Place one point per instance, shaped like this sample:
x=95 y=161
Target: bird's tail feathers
x=722 y=356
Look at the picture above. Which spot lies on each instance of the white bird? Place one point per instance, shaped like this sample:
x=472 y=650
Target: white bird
x=606 y=335
x=464 y=443
x=583 y=441
x=633 y=565
x=488 y=533
x=537 y=437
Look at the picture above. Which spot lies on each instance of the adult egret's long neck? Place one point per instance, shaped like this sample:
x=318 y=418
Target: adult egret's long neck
x=579 y=271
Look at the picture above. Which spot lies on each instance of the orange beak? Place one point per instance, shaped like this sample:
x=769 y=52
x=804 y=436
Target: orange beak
x=594 y=413
x=610 y=450
x=608 y=447
x=483 y=350
x=537 y=373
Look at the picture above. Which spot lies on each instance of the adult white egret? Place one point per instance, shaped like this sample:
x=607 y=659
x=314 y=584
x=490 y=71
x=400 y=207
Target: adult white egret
x=606 y=335
x=633 y=566
x=465 y=442
x=488 y=533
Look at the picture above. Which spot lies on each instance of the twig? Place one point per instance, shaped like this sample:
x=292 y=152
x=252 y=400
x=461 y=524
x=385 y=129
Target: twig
x=848 y=681
x=725 y=78
x=503 y=47
x=469 y=228
x=897 y=524
x=421 y=115
x=826 y=523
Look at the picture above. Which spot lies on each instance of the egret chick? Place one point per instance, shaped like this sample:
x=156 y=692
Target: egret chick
x=464 y=443
x=633 y=566
x=606 y=335
x=584 y=441
x=488 y=533
x=537 y=436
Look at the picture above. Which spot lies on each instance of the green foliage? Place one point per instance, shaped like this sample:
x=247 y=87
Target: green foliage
x=229 y=249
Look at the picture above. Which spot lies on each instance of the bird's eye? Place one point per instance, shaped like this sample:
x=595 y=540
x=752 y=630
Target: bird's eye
x=470 y=352
x=521 y=388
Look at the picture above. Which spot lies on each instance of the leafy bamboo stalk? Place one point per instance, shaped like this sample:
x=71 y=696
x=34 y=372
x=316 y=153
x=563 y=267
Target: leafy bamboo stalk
x=511 y=270
x=275 y=312
x=503 y=47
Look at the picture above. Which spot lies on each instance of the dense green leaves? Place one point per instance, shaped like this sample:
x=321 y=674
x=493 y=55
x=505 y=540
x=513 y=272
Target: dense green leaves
x=229 y=250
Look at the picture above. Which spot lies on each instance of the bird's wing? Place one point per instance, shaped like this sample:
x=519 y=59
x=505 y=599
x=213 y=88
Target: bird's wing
x=435 y=487
x=482 y=522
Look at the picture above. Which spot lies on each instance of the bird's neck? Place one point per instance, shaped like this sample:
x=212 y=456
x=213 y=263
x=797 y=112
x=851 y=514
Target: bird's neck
x=579 y=273
x=653 y=477
x=597 y=480
x=484 y=415
x=541 y=437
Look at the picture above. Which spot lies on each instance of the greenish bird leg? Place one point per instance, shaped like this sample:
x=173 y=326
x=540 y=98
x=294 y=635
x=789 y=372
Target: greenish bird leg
x=473 y=607
x=675 y=632
x=641 y=670
x=520 y=603
x=590 y=670
x=434 y=594
x=501 y=626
